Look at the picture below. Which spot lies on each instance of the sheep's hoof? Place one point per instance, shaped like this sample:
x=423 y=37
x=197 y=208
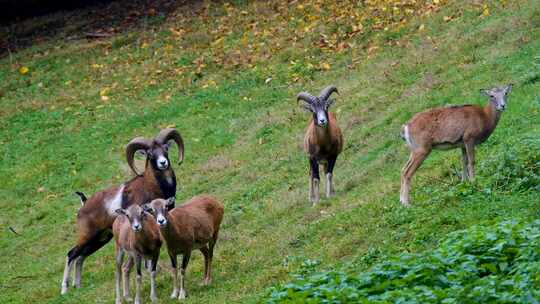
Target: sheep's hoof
x=128 y=299
x=154 y=299
x=206 y=282
x=64 y=290
x=182 y=295
x=174 y=294
x=118 y=301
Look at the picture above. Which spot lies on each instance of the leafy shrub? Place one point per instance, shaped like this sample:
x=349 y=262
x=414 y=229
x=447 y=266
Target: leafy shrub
x=496 y=264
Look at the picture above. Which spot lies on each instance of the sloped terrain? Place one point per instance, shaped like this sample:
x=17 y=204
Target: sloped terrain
x=226 y=75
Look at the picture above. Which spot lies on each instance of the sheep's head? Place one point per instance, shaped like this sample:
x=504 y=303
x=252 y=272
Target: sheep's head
x=318 y=105
x=156 y=149
x=159 y=208
x=135 y=215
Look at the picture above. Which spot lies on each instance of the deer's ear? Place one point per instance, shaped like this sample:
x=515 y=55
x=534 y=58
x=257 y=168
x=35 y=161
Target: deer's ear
x=486 y=92
x=120 y=211
x=509 y=88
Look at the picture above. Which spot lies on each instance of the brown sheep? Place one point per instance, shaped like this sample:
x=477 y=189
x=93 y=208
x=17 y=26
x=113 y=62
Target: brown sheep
x=137 y=234
x=193 y=225
x=323 y=141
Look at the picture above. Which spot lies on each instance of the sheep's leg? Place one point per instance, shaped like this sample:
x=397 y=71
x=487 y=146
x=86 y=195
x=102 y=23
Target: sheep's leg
x=70 y=258
x=83 y=250
x=126 y=272
x=185 y=260
x=207 y=260
x=416 y=159
x=138 y=281
x=118 y=274
x=465 y=161
x=78 y=271
x=174 y=264
x=469 y=148
x=329 y=174
x=153 y=265
x=315 y=179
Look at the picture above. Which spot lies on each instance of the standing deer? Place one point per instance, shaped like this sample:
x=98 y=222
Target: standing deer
x=323 y=141
x=451 y=127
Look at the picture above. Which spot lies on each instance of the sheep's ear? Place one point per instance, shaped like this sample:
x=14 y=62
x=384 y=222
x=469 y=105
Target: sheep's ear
x=329 y=103
x=120 y=211
x=509 y=88
x=305 y=105
x=169 y=203
x=147 y=208
x=168 y=145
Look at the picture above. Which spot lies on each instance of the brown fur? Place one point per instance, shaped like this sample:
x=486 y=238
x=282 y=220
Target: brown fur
x=145 y=243
x=94 y=222
x=93 y=218
x=446 y=128
x=193 y=225
x=322 y=143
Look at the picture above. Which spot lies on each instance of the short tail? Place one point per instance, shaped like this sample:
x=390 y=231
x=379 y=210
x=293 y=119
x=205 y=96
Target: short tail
x=406 y=135
x=402 y=132
x=82 y=197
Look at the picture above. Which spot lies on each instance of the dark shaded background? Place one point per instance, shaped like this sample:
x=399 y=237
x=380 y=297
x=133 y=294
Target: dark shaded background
x=16 y=10
x=28 y=22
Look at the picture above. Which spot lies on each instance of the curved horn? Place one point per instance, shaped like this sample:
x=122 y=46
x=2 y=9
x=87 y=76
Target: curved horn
x=172 y=134
x=326 y=92
x=305 y=96
x=138 y=143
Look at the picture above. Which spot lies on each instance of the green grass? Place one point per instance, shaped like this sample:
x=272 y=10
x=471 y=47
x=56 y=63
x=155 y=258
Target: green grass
x=243 y=139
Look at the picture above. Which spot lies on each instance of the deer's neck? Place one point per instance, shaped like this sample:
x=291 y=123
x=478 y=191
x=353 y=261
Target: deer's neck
x=493 y=117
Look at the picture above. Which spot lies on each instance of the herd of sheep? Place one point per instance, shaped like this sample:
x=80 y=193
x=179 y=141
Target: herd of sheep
x=141 y=213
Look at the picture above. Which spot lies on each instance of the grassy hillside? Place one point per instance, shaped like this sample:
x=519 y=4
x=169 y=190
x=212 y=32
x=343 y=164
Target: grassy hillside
x=226 y=76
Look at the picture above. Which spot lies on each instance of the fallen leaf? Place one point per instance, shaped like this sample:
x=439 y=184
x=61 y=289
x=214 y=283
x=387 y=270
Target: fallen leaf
x=24 y=70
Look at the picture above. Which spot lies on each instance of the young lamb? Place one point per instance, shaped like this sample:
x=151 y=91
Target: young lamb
x=193 y=225
x=137 y=234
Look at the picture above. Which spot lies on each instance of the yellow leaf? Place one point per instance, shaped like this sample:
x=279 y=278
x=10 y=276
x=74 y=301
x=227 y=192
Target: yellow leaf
x=421 y=27
x=171 y=126
x=486 y=11
x=24 y=70
x=325 y=66
x=104 y=98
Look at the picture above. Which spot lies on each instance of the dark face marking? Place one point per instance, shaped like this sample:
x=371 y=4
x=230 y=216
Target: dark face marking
x=158 y=156
x=319 y=108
